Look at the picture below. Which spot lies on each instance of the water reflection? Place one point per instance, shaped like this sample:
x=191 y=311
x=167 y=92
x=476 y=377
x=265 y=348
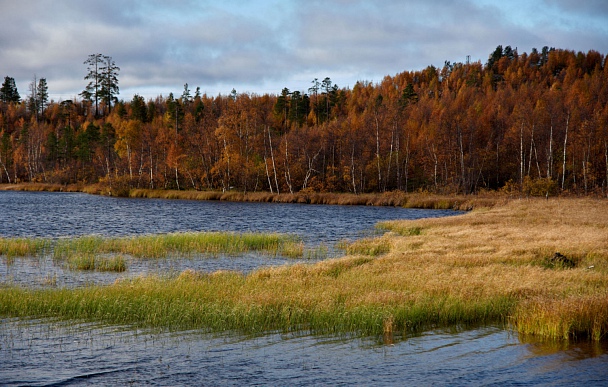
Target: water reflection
x=56 y=353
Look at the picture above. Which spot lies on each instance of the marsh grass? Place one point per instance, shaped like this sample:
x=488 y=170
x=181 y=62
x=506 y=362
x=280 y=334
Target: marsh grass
x=89 y=262
x=467 y=270
x=23 y=247
x=158 y=246
x=394 y=198
x=319 y=252
x=571 y=317
x=96 y=253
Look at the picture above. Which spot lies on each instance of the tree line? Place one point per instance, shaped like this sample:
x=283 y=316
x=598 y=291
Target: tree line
x=534 y=122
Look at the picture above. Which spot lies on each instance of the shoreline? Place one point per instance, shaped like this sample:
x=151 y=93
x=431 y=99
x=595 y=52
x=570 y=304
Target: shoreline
x=538 y=266
x=420 y=200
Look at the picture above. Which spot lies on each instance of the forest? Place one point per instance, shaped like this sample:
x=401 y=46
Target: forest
x=534 y=123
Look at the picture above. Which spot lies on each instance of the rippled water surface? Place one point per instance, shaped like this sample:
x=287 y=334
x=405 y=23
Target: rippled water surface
x=58 y=215
x=50 y=353
x=58 y=354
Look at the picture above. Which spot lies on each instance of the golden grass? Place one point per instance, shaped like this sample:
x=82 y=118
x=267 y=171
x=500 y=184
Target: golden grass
x=504 y=250
x=395 y=198
x=40 y=187
x=484 y=267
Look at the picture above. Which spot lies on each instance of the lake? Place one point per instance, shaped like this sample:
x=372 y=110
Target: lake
x=46 y=352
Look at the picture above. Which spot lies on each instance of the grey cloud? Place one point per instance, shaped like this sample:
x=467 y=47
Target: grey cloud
x=268 y=44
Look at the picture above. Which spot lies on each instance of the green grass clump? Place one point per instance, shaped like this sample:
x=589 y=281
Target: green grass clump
x=572 y=317
x=155 y=246
x=88 y=262
x=254 y=303
x=159 y=246
x=23 y=247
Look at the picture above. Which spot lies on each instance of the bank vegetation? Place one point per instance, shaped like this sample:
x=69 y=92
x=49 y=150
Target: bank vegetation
x=539 y=267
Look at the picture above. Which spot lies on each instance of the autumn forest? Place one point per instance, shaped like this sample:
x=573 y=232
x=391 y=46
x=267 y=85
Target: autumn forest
x=535 y=123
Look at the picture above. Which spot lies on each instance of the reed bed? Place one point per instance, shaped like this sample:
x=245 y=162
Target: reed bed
x=23 y=247
x=393 y=199
x=483 y=267
x=91 y=252
x=163 y=245
x=89 y=262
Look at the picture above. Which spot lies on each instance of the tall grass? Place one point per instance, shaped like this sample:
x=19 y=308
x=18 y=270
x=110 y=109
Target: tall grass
x=571 y=317
x=477 y=268
x=253 y=304
x=394 y=199
x=88 y=262
x=163 y=245
x=23 y=247
x=108 y=254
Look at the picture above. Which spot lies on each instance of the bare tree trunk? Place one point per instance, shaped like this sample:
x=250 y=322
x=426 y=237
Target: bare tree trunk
x=8 y=175
x=226 y=179
x=378 y=152
x=129 y=161
x=406 y=164
x=550 y=154
x=352 y=167
x=463 y=182
x=151 y=167
x=521 y=154
x=565 y=146
x=390 y=160
x=268 y=173
x=435 y=162
x=274 y=167
x=287 y=171
x=310 y=169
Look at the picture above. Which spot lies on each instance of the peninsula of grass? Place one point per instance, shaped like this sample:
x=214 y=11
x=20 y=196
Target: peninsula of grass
x=96 y=253
x=488 y=266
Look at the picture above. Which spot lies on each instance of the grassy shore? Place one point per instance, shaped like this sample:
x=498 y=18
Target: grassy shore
x=396 y=198
x=491 y=265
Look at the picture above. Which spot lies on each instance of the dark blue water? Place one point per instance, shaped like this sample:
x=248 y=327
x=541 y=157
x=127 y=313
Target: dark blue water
x=43 y=214
x=50 y=353
x=58 y=215
x=58 y=354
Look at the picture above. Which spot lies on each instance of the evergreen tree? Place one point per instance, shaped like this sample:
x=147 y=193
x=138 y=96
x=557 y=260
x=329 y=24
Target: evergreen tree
x=103 y=81
x=92 y=90
x=139 y=109
x=8 y=92
x=109 y=81
x=43 y=95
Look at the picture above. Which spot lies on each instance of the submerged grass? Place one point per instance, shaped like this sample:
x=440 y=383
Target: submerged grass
x=158 y=246
x=472 y=269
x=23 y=247
x=89 y=262
x=108 y=254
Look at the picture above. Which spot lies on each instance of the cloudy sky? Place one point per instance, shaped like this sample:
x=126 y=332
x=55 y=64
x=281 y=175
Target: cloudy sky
x=261 y=46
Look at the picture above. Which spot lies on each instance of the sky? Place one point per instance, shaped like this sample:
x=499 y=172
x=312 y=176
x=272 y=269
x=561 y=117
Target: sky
x=263 y=46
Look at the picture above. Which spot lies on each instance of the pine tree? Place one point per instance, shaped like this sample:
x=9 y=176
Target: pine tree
x=103 y=80
x=109 y=81
x=8 y=92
